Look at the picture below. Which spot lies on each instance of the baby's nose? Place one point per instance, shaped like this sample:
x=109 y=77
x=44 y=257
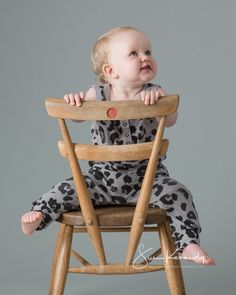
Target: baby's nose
x=144 y=57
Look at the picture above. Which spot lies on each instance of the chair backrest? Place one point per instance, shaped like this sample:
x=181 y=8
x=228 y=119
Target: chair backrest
x=113 y=110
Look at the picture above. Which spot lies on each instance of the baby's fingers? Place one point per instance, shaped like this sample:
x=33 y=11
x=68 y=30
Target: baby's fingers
x=66 y=98
x=75 y=98
x=69 y=98
x=79 y=97
x=72 y=99
x=143 y=93
x=159 y=93
x=145 y=97
x=151 y=97
x=148 y=97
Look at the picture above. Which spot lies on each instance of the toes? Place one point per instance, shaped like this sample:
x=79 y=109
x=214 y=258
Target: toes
x=31 y=217
x=30 y=221
x=25 y=218
x=209 y=261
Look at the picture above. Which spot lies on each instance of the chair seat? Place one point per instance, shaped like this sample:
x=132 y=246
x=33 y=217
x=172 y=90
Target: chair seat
x=114 y=216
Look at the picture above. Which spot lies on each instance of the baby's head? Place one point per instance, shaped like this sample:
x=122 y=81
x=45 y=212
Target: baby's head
x=110 y=51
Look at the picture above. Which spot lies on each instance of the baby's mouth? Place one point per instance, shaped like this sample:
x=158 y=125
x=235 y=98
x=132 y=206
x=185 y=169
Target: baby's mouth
x=147 y=67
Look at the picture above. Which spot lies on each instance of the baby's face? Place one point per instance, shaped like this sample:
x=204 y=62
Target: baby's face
x=130 y=56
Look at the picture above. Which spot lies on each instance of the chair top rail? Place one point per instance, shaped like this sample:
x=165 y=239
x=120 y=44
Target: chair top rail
x=111 y=110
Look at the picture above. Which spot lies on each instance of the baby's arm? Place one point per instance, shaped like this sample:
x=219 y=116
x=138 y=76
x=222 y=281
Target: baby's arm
x=151 y=96
x=78 y=98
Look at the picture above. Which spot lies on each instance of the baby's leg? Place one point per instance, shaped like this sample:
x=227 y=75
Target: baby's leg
x=177 y=200
x=62 y=198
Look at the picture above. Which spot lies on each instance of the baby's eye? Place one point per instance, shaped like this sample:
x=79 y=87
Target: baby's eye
x=133 y=53
x=148 y=52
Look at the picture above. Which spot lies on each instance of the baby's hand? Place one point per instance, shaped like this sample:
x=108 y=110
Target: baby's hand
x=151 y=96
x=75 y=98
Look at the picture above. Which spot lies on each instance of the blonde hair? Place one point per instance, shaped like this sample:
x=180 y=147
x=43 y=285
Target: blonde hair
x=99 y=55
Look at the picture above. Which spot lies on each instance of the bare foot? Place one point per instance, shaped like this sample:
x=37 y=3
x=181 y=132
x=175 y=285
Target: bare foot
x=196 y=254
x=30 y=221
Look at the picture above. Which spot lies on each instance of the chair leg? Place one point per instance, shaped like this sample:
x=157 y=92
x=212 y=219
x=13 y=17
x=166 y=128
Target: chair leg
x=59 y=239
x=172 y=266
x=176 y=262
x=61 y=260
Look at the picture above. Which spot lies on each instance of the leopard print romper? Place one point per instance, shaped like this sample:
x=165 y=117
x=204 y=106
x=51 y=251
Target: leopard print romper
x=120 y=182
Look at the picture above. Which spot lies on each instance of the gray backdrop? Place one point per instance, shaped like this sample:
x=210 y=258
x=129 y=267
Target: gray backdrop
x=45 y=51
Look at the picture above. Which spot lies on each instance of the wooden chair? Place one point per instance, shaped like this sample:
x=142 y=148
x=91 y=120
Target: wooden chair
x=132 y=219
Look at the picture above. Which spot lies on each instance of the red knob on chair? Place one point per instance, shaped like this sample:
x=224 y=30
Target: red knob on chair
x=112 y=112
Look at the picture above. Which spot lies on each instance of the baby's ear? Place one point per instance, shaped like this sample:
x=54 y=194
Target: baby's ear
x=109 y=72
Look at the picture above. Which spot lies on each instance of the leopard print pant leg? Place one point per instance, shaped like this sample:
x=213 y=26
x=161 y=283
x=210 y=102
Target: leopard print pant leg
x=63 y=198
x=177 y=200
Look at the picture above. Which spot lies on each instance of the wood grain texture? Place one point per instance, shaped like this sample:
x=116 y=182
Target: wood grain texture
x=115 y=215
x=125 y=152
x=173 y=276
x=97 y=110
x=116 y=269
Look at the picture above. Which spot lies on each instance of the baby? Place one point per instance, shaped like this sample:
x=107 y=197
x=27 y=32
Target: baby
x=124 y=65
